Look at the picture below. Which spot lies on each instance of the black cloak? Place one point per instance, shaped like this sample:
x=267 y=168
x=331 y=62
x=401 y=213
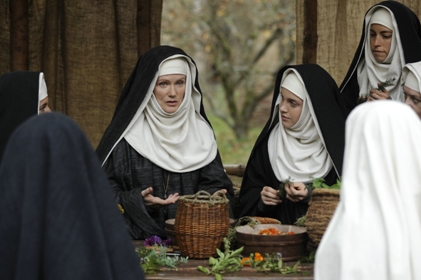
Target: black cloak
x=130 y=173
x=59 y=221
x=410 y=34
x=325 y=98
x=19 y=99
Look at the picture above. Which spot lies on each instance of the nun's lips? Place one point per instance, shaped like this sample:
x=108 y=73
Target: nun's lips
x=172 y=102
x=284 y=118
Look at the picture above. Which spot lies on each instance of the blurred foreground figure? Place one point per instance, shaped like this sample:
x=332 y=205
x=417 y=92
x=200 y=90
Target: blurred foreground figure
x=375 y=231
x=59 y=219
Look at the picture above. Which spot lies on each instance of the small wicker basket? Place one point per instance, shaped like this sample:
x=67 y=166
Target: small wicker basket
x=201 y=222
x=320 y=212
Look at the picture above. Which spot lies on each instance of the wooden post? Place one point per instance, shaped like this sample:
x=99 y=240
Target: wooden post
x=310 y=32
x=19 y=35
x=148 y=24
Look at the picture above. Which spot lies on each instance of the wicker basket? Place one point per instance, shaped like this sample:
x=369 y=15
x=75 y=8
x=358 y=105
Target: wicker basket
x=201 y=223
x=320 y=212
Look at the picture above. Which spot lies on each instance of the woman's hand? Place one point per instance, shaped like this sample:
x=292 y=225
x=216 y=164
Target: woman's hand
x=296 y=191
x=157 y=202
x=270 y=196
x=376 y=94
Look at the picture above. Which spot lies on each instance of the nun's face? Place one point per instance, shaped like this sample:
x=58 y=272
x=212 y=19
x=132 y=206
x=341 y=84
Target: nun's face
x=169 y=91
x=413 y=99
x=380 y=41
x=290 y=108
x=43 y=106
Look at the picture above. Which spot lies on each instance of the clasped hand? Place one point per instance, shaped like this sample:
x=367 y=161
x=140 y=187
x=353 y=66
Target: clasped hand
x=295 y=191
x=376 y=94
x=157 y=202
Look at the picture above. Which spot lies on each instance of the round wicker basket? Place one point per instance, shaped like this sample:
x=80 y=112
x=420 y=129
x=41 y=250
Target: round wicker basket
x=201 y=222
x=320 y=212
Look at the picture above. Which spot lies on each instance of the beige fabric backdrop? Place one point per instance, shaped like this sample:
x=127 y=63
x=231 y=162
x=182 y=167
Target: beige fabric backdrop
x=87 y=50
x=339 y=31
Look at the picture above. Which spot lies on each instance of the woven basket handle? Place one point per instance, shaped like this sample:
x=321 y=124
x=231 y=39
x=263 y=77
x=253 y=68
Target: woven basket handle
x=217 y=197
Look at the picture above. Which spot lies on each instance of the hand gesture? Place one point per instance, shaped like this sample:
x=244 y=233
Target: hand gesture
x=157 y=202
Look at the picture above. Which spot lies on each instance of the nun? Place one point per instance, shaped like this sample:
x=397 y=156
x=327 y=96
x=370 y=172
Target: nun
x=59 y=220
x=160 y=144
x=302 y=140
x=376 y=228
x=391 y=37
x=411 y=83
x=22 y=95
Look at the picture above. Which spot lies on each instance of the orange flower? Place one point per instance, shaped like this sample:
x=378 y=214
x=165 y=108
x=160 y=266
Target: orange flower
x=246 y=260
x=258 y=257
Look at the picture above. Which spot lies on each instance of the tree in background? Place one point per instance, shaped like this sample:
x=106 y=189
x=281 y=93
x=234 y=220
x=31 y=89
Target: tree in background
x=239 y=46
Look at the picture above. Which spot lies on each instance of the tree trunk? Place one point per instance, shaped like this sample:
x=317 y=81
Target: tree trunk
x=310 y=32
x=19 y=39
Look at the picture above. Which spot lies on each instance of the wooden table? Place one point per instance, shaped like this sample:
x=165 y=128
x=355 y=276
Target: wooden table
x=190 y=271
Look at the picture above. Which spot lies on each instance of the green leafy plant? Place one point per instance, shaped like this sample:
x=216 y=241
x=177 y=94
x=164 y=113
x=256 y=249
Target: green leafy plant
x=320 y=183
x=226 y=261
x=281 y=189
x=382 y=87
x=151 y=260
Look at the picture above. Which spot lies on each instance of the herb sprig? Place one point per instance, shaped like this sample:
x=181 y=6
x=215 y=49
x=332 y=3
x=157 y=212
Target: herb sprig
x=226 y=261
x=382 y=87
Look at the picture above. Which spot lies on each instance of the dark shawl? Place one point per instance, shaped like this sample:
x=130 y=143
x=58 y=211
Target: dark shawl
x=59 y=218
x=410 y=34
x=19 y=99
x=325 y=98
x=131 y=98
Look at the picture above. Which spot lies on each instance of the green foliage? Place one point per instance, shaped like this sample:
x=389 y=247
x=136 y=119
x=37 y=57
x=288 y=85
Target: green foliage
x=320 y=183
x=233 y=150
x=151 y=260
x=301 y=222
x=227 y=261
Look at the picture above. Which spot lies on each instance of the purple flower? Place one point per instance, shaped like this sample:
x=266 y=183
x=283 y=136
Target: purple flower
x=166 y=243
x=156 y=240
x=153 y=240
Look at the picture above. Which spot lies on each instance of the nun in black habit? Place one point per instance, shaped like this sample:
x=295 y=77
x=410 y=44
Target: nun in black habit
x=58 y=220
x=388 y=24
x=302 y=140
x=22 y=95
x=160 y=144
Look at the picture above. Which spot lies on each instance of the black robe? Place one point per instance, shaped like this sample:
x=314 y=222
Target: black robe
x=410 y=34
x=19 y=99
x=130 y=173
x=59 y=219
x=329 y=110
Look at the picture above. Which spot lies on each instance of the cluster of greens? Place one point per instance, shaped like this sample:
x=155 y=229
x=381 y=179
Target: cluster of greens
x=382 y=87
x=320 y=183
x=226 y=261
x=151 y=260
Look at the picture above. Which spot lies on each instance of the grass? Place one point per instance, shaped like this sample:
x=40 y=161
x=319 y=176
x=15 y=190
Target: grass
x=232 y=150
